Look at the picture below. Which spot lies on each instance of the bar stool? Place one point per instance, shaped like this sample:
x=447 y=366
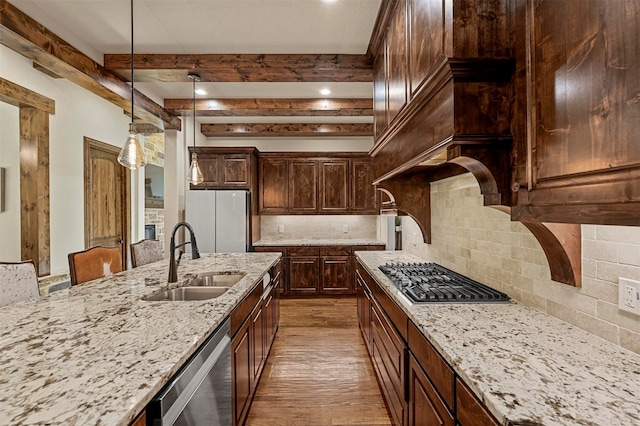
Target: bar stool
x=18 y=282
x=146 y=251
x=93 y=263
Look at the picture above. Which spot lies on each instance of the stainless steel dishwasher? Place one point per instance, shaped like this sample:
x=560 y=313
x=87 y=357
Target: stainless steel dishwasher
x=200 y=393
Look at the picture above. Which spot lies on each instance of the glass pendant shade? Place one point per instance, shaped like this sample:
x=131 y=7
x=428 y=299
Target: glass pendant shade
x=195 y=174
x=131 y=156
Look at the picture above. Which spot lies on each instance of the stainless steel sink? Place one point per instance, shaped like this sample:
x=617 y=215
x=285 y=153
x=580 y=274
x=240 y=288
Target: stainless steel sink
x=187 y=293
x=215 y=279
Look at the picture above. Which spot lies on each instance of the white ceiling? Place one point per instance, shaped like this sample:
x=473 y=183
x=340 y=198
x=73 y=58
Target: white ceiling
x=97 y=27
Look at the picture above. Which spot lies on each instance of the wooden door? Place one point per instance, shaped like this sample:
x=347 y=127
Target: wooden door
x=241 y=372
x=334 y=190
x=236 y=170
x=363 y=193
x=303 y=186
x=426 y=408
x=106 y=195
x=303 y=275
x=258 y=344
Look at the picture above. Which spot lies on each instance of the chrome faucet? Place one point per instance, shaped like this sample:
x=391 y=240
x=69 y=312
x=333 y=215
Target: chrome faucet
x=195 y=254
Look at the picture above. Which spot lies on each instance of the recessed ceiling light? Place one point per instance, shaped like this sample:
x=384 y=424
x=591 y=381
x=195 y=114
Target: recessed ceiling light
x=201 y=92
x=325 y=91
x=329 y=1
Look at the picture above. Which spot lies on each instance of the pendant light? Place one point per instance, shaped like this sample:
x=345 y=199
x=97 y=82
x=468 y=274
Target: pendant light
x=195 y=175
x=132 y=156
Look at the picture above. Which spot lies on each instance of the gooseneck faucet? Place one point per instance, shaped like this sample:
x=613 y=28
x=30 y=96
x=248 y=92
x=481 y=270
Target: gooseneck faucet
x=195 y=254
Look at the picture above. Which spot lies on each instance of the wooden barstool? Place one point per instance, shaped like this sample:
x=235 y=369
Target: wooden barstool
x=146 y=251
x=18 y=282
x=93 y=263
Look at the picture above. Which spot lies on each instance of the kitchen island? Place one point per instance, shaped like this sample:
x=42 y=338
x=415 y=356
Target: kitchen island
x=526 y=367
x=97 y=354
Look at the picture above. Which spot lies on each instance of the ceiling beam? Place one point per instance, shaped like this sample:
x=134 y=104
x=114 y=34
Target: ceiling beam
x=226 y=68
x=287 y=129
x=272 y=107
x=24 y=35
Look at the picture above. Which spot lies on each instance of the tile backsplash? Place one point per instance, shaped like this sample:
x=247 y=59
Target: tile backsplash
x=318 y=227
x=485 y=245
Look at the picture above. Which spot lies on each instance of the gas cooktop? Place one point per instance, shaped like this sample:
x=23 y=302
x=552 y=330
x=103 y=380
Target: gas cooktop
x=430 y=282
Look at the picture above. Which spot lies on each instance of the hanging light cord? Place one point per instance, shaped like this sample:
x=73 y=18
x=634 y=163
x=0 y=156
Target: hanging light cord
x=132 y=91
x=194 y=112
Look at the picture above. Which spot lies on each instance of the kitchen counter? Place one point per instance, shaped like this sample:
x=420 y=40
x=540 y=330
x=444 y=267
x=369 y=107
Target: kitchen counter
x=320 y=242
x=527 y=367
x=97 y=354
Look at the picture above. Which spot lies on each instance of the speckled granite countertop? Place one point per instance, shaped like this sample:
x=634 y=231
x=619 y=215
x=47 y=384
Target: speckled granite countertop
x=528 y=368
x=320 y=242
x=97 y=354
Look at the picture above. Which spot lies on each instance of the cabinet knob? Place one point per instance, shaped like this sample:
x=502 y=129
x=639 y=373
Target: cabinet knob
x=515 y=186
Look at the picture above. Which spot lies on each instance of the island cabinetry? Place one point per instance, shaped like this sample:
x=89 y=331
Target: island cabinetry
x=419 y=386
x=335 y=270
x=226 y=168
x=306 y=183
x=254 y=324
x=141 y=420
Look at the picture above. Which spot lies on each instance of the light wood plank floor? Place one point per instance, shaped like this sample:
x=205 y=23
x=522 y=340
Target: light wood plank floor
x=318 y=371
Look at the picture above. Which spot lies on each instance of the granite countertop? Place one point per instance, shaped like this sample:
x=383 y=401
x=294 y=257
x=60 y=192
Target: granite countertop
x=320 y=242
x=97 y=354
x=529 y=368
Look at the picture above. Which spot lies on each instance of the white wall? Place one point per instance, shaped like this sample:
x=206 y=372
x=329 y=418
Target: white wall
x=484 y=244
x=10 y=161
x=79 y=113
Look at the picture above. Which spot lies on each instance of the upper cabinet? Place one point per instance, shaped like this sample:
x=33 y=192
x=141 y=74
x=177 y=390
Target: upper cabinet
x=576 y=123
x=316 y=183
x=226 y=168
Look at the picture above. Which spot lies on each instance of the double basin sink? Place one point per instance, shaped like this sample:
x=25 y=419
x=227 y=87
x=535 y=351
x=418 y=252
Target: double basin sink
x=201 y=287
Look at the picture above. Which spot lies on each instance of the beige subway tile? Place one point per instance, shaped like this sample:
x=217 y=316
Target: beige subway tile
x=618 y=234
x=534 y=301
x=611 y=313
x=600 y=250
x=608 y=271
x=630 y=340
x=602 y=290
x=511 y=265
x=629 y=254
x=588 y=268
x=604 y=329
x=571 y=297
x=562 y=312
x=588 y=232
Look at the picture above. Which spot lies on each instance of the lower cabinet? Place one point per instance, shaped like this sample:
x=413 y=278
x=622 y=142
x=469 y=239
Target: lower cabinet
x=418 y=385
x=318 y=270
x=254 y=324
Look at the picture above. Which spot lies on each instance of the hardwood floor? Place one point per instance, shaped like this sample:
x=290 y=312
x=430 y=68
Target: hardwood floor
x=318 y=371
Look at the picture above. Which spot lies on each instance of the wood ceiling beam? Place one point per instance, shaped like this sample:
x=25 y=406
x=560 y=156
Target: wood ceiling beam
x=226 y=68
x=287 y=129
x=24 y=35
x=272 y=107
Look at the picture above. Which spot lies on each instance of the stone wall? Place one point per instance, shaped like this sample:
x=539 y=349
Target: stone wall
x=154 y=151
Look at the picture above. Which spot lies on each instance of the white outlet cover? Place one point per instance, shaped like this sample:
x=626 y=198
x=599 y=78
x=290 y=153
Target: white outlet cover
x=345 y=228
x=280 y=229
x=629 y=295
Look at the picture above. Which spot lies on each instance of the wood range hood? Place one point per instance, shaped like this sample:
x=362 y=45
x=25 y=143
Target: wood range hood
x=445 y=106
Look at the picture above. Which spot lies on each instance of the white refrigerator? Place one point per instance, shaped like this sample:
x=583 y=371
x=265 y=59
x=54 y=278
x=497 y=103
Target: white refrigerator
x=220 y=220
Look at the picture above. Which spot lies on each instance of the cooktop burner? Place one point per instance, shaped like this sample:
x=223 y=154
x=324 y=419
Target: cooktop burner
x=430 y=282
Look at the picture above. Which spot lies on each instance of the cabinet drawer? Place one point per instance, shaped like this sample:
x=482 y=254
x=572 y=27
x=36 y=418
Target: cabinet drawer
x=335 y=251
x=470 y=411
x=439 y=372
x=304 y=251
x=425 y=405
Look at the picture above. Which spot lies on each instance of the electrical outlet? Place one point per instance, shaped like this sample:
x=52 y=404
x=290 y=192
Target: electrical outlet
x=629 y=295
x=280 y=229
x=345 y=228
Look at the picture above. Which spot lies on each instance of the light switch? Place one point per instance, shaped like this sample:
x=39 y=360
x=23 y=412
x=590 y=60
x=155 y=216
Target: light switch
x=345 y=228
x=280 y=229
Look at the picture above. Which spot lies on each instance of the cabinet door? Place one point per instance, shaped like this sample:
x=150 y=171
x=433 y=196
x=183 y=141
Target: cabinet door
x=425 y=406
x=210 y=167
x=241 y=372
x=380 y=92
x=273 y=186
x=363 y=193
x=334 y=189
x=336 y=275
x=303 y=186
x=236 y=170
x=397 y=60
x=470 y=411
x=303 y=275
x=364 y=309
x=257 y=344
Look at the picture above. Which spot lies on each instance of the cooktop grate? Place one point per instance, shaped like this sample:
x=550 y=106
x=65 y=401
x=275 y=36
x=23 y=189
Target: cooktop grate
x=430 y=282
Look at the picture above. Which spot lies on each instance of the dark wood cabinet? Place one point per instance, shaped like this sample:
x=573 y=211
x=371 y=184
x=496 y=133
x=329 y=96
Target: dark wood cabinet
x=274 y=185
x=303 y=268
x=254 y=324
x=420 y=388
x=334 y=189
x=426 y=408
x=307 y=183
x=397 y=62
x=231 y=168
x=380 y=119
x=335 y=270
